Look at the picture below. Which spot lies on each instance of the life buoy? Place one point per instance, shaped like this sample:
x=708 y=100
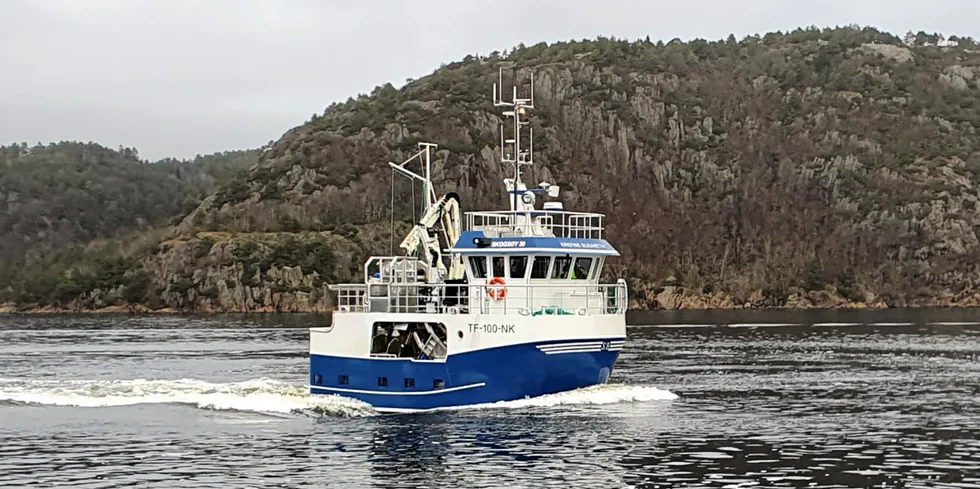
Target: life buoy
x=496 y=293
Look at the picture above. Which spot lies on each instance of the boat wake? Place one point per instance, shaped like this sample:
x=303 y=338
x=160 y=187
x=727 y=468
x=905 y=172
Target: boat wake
x=270 y=396
x=257 y=395
x=594 y=395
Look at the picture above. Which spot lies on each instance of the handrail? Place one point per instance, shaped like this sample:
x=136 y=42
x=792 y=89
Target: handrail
x=557 y=223
x=540 y=211
x=392 y=269
x=586 y=298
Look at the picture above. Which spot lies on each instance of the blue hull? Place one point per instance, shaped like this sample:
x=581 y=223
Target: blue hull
x=482 y=376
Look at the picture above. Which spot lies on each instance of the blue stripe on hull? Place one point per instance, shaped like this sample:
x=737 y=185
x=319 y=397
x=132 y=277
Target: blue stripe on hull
x=483 y=376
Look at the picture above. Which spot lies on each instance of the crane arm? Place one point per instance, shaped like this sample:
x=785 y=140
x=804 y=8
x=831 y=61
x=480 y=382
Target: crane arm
x=424 y=235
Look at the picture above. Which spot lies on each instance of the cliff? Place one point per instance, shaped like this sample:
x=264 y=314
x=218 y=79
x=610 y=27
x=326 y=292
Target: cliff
x=818 y=168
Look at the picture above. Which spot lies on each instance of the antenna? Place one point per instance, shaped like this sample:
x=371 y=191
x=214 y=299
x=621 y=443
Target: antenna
x=517 y=155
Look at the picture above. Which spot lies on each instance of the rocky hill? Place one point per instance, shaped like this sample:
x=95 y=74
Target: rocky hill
x=55 y=198
x=815 y=168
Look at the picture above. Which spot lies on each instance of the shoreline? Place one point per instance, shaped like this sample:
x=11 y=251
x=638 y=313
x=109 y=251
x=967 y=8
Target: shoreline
x=670 y=298
x=10 y=310
x=7 y=309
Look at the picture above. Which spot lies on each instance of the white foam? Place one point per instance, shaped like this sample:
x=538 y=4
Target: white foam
x=683 y=325
x=270 y=396
x=258 y=395
x=762 y=325
x=597 y=394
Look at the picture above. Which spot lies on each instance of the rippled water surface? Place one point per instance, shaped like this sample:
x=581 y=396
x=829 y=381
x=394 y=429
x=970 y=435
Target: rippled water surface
x=215 y=402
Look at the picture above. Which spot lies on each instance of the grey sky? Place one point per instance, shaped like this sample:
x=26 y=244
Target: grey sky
x=181 y=77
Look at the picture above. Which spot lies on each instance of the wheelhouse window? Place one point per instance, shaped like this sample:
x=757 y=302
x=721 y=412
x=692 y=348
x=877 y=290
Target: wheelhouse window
x=518 y=266
x=479 y=266
x=583 y=265
x=498 y=266
x=561 y=268
x=539 y=267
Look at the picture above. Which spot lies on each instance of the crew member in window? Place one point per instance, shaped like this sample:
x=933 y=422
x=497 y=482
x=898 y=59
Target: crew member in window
x=410 y=348
x=498 y=266
x=395 y=345
x=380 y=339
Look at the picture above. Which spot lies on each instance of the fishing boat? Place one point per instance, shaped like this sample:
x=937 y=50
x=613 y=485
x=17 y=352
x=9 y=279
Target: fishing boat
x=507 y=306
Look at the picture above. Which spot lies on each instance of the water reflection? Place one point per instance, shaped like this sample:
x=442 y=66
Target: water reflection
x=409 y=451
x=474 y=449
x=829 y=406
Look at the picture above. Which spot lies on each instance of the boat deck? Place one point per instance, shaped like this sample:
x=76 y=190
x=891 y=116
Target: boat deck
x=586 y=299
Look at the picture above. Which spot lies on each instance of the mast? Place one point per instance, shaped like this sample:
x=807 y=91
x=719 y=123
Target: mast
x=518 y=156
x=428 y=190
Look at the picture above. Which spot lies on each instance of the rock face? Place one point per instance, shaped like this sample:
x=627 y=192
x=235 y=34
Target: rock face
x=238 y=275
x=258 y=272
x=834 y=168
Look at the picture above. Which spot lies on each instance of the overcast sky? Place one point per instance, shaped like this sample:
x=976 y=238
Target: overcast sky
x=181 y=77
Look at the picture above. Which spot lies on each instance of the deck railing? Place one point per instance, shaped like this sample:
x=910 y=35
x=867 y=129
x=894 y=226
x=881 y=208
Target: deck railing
x=352 y=297
x=524 y=299
x=560 y=224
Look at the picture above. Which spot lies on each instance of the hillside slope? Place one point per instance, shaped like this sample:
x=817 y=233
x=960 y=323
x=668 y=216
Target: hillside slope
x=71 y=192
x=59 y=196
x=815 y=168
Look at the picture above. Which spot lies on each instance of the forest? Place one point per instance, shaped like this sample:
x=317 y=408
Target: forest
x=813 y=168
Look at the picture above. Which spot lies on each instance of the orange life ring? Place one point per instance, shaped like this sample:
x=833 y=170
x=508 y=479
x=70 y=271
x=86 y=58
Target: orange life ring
x=496 y=293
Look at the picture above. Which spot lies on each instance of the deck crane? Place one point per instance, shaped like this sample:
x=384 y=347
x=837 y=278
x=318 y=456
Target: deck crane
x=425 y=234
x=438 y=215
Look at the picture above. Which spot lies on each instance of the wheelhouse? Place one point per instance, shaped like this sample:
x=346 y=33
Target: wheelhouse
x=536 y=274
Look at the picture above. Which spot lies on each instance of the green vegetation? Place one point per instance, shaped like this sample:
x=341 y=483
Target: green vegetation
x=70 y=193
x=785 y=165
x=55 y=199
